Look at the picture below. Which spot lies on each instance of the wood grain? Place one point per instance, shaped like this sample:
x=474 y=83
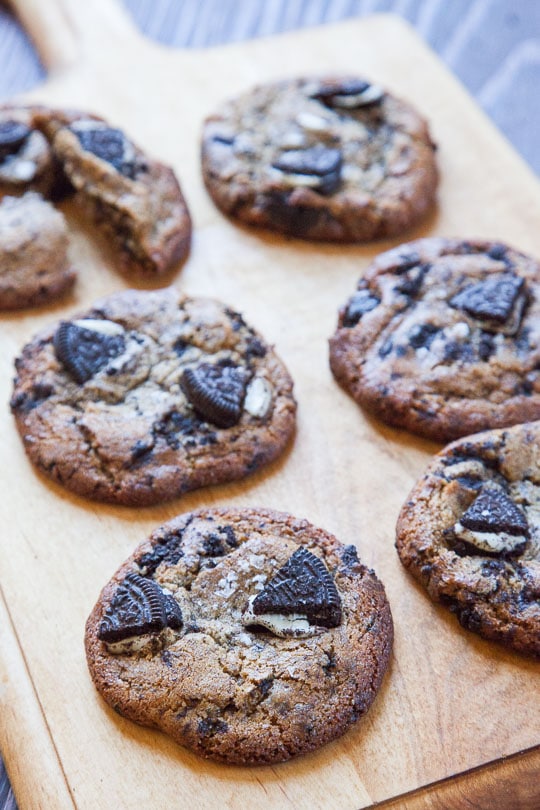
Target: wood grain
x=451 y=702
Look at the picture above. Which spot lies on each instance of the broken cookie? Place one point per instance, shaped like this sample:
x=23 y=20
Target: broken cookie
x=169 y=643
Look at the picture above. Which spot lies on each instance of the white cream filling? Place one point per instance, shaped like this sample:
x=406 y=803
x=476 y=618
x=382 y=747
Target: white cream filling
x=258 y=397
x=295 y=625
x=497 y=542
x=291 y=179
x=369 y=96
x=313 y=122
x=103 y=327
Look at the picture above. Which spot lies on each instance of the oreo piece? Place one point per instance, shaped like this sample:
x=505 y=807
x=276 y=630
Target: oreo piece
x=494 y=301
x=216 y=392
x=110 y=145
x=422 y=335
x=321 y=165
x=83 y=350
x=494 y=511
x=303 y=586
x=13 y=134
x=361 y=302
x=138 y=607
x=349 y=94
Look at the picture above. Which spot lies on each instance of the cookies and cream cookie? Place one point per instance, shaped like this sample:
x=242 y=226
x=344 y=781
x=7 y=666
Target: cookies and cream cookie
x=442 y=337
x=334 y=158
x=470 y=533
x=149 y=394
x=248 y=635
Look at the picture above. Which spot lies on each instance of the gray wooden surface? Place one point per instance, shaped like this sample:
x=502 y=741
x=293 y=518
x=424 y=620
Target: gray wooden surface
x=493 y=46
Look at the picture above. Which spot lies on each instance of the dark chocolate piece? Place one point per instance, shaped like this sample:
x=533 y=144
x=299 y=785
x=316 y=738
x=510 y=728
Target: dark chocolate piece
x=83 y=352
x=319 y=161
x=139 y=606
x=422 y=334
x=490 y=300
x=494 y=511
x=302 y=586
x=110 y=145
x=216 y=392
x=348 y=93
x=360 y=303
x=12 y=136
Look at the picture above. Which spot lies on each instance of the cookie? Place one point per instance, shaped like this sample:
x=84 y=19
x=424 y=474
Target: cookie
x=336 y=159
x=34 y=263
x=470 y=533
x=442 y=337
x=26 y=159
x=132 y=199
x=150 y=394
x=247 y=635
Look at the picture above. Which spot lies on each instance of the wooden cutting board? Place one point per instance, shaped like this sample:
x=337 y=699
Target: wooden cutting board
x=450 y=702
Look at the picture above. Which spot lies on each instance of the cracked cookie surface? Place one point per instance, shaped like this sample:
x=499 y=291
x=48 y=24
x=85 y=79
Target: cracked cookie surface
x=442 y=337
x=334 y=159
x=470 y=533
x=103 y=405
x=226 y=688
x=34 y=261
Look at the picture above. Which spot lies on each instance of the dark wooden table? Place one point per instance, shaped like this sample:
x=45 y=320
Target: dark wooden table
x=493 y=46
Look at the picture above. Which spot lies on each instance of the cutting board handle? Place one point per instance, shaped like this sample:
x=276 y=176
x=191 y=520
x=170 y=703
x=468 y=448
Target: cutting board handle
x=68 y=31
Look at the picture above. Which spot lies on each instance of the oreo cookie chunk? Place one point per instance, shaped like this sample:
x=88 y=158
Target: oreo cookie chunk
x=34 y=262
x=442 y=337
x=335 y=159
x=26 y=160
x=247 y=635
x=470 y=533
x=134 y=200
x=150 y=394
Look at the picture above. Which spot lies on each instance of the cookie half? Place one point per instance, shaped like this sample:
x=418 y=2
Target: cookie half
x=34 y=262
x=247 y=635
x=26 y=159
x=335 y=159
x=470 y=533
x=150 y=394
x=134 y=200
x=442 y=337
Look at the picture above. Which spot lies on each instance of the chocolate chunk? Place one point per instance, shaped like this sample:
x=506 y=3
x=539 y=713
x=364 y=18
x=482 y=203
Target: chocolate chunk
x=348 y=94
x=422 y=334
x=12 y=136
x=110 y=145
x=319 y=162
x=492 y=300
x=139 y=606
x=216 y=392
x=360 y=303
x=411 y=279
x=302 y=586
x=493 y=511
x=83 y=352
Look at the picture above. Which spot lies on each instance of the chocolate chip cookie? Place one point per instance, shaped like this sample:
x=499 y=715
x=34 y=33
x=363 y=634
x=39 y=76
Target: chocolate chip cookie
x=26 y=159
x=150 y=394
x=336 y=159
x=248 y=635
x=470 y=533
x=134 y=200
x=442 y=337
x=34 y=263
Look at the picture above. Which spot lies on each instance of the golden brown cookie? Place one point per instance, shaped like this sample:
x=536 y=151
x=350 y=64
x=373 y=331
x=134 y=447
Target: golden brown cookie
x=34 y=262
x=150 y=394
x=442 y=337
x=247 y=635
x=334 y=158
x=470 y=533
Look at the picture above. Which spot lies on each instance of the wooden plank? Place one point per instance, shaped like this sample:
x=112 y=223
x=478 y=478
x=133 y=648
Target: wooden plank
x=451 y=702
